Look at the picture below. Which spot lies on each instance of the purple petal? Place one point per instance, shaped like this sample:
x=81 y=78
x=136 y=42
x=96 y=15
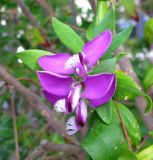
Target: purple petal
x=105 y=98
x=81 y=113
x=96 y=48
x=51 y=97
x=54 y=83
x=75 y=124
x=97 y=86
x=55 y=63
x=73 y=97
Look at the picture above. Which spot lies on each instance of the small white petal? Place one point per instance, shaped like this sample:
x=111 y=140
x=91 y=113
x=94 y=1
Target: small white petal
x=60 y=106
x=72 y=62
x=71 y=126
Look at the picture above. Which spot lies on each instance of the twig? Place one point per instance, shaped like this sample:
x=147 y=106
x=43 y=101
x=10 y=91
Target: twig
x=47 y=7
x=77 y=28
x=32 y=19
x=126 y=66
x=50 y=147
x=29 y=80
x=93 y=4
x=34 y=101
x=14 y=124
x=123 y=127
x=142 y=143
x=73 y=10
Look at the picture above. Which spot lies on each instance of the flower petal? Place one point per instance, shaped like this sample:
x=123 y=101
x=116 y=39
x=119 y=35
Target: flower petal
x=105 y=98
x=55 y=63
x=96 y=48
x=51 y=97
x=81 y=113
x=54 y=83
x=74 y=96
x=97 y=86
x=74 y=124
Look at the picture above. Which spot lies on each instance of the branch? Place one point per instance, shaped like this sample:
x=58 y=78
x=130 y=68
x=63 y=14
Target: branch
x=47 y=7
x=32 y=19
x=46 y=146
x=123 y=127
x=35 y=102
x=93 y=4
x=126 y=66
x=14 y=125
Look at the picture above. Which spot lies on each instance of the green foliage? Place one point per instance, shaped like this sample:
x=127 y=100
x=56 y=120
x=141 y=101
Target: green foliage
x=67 y=35
x=108 y=22
x=148 y=80
x=103 y=141
x=146 y=154
x=148 y=29
x=105 y=112
x=127 y=89
x=129 y=6
x=131 y=124
x=30 y=57
x=118 y=40
x=107 y=65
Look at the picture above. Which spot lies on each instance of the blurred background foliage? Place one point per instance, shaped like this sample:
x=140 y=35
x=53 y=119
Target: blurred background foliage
x=17 y=33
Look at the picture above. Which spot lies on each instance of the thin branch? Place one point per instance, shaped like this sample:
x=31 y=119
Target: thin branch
x=29 y=80
x=124 y=127
x=126 y=66
x=93 y=4
x=50 y=147
x=14 y=125
x=73 y=10
x=47 y=7
x=34 y=101
x=32 y=19
x=142 y=143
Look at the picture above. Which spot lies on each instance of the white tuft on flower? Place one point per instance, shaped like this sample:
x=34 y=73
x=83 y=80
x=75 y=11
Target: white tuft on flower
x=71 y=126
x=72 y=62
x=60 y=106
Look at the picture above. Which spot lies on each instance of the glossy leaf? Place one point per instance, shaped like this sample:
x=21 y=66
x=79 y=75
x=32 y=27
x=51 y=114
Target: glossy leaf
x=105 y=112
x=103 y=142
x=30 y=57
x=67 y=36
x=95 y=29
x=146 y=154
x=118 y=40
x=131 y=124
x=127 y=89
x=107 y=65
x=130 y=7
x=148 y=31
x=126 y=155
x=148 y=80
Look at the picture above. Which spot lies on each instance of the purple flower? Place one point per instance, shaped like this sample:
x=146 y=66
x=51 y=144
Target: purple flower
x=69 y=94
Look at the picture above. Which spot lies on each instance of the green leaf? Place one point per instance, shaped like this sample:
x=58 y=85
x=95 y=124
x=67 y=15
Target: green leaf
x=6 y=132
x=130 y=7
x=108 y=22
x=148 y=31
x=30 y=57
x=107 y=65
x=105 y=112
x=146 y=154
x=127 y=89
x=126 y=155
x=131 y=124
x=148 y=80
x=103 y=142
x=67 y=35
x=118 y=40
x=102 y=10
